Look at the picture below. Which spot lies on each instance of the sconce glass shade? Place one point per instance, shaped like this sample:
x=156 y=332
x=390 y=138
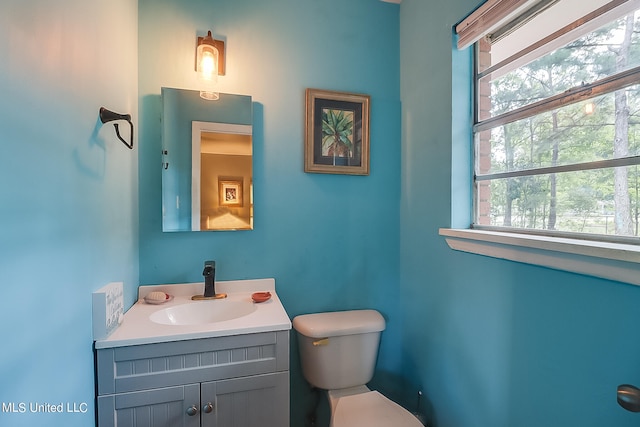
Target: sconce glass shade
x=207 y=60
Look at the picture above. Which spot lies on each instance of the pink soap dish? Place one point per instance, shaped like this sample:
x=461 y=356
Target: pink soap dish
x=261 y=296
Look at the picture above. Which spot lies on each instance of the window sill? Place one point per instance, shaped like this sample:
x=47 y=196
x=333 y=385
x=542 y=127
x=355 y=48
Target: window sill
x=613 y=261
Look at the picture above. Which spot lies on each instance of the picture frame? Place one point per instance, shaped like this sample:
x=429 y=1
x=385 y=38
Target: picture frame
x=230 y=192
x=336 y=132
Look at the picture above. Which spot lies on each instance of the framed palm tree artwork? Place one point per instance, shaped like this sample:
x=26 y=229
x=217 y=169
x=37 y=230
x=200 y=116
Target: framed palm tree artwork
x=336 y=132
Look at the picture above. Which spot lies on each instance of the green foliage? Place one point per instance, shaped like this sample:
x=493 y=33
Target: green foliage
x=582 y=200
x=337 y=133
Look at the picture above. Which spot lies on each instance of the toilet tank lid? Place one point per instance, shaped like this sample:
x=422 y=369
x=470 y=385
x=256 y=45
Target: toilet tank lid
x=338 y=323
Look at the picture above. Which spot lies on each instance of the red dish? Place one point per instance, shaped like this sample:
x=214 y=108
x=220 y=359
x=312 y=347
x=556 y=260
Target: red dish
x=260 y=296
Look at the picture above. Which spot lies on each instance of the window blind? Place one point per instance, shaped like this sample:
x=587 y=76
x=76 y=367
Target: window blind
x=490 y=16
x=496 y=17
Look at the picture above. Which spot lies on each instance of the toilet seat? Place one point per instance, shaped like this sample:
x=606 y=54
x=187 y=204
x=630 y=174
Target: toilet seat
x=371 y=409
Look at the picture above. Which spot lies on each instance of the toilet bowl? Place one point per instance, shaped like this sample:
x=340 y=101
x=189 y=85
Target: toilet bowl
x=366 y=408
x=338 y=352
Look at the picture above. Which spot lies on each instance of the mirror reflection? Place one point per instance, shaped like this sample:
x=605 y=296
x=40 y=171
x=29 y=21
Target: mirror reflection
x=207 y=181
x=222 y=177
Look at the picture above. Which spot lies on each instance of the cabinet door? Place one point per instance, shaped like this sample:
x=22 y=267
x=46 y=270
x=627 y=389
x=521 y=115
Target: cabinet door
x=163 y=407
x=255 y=401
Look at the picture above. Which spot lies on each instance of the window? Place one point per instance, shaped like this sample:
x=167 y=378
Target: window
x=557 y=135
x=557 y=127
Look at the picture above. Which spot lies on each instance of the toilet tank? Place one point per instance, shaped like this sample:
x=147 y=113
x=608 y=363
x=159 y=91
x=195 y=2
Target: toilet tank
x=339 y=349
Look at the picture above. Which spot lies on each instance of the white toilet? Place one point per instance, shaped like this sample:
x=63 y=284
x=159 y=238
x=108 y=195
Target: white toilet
x=338 y=351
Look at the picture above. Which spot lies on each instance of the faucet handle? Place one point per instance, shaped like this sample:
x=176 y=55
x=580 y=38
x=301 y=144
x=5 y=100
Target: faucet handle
x=209 y=268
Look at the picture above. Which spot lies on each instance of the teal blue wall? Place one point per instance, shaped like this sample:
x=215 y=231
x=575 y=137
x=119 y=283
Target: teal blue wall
x=492 y=342
x=68 y=198
x=330 y=241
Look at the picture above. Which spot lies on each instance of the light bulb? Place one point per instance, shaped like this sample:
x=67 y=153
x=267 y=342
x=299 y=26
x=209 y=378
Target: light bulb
x=589 y=108
x=208 y=66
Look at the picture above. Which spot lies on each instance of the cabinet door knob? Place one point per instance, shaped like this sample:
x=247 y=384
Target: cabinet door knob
x=208 y=408
x=192 y=410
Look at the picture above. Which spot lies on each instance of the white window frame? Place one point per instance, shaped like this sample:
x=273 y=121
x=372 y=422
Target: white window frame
x=618 y=261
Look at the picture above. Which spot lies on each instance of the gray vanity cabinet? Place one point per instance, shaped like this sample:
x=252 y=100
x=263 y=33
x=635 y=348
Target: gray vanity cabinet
x=251 y=402
x=233 y=381
x=148 y=408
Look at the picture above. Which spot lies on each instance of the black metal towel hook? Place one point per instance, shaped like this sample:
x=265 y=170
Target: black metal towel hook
x=109 y=116
x=629 y=397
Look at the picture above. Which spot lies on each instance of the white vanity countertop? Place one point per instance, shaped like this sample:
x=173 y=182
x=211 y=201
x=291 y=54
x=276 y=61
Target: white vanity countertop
x=136 y=327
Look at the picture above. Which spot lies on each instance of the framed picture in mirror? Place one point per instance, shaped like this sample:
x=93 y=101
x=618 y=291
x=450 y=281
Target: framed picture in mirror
x=230 y=192
x=336 y=132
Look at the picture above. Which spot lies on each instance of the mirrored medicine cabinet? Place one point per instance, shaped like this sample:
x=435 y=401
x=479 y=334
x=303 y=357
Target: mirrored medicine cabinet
x=207 y=158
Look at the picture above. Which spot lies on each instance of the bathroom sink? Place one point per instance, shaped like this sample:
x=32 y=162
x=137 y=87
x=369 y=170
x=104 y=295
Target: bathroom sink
x=202 y=312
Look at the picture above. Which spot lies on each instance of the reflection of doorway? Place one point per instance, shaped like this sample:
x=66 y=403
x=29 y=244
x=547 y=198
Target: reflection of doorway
x=221 y=170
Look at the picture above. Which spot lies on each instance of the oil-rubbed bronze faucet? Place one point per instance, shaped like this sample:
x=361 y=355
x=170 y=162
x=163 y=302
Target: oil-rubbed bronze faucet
x=209 y=274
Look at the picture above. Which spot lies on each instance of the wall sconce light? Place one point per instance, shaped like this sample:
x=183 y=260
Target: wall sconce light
x=209 y=65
